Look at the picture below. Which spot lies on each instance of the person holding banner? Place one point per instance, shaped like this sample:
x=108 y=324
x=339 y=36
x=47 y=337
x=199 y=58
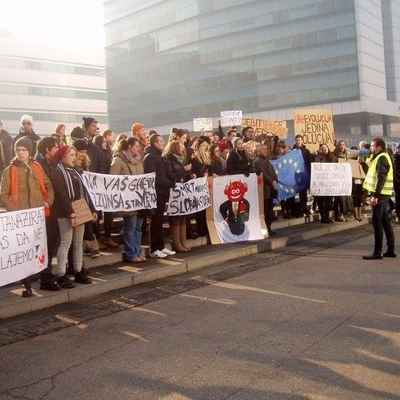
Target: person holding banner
x=68 y=187
x=379 y=182
x=237 y=161
x=127 y=161
x=324 y=155
x=177 y=171
x=154 y=162
x=25 y=185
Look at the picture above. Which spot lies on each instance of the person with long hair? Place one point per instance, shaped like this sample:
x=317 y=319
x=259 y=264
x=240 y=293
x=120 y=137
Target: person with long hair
x=177 y=171
x=68 y=187
x=201 y=166
x=127 y=162
x=218 y=164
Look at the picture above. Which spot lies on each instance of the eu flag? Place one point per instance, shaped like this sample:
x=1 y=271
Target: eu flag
x=292 y=174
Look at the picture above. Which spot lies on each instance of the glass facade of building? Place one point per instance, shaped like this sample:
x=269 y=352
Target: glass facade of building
x=169 y=61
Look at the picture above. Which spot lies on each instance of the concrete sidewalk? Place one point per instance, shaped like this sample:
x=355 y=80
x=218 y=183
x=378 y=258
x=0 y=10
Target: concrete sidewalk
x=110 y=273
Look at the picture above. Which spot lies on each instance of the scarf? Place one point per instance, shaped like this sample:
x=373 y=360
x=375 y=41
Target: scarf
x=68 y=172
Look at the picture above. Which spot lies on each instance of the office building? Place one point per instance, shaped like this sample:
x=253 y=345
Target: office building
x=53 y=84
x=169 y=61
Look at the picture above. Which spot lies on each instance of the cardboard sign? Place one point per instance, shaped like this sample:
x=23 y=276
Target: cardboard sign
x=266 y=127
x=82 y=211
x=316 y=127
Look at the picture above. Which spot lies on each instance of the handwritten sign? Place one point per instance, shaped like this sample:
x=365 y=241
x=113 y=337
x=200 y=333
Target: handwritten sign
x=23 y=244
x=190 y=197
x=266 y=127
x=121 y=192
x=231 y=118
x=200 y=124
x=330 y=179
x=316 y=127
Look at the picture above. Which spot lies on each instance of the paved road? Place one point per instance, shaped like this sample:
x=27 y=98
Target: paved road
x=308 y=321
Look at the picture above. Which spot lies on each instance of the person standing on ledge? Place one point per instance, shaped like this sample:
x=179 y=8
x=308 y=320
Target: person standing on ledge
x=379 y=182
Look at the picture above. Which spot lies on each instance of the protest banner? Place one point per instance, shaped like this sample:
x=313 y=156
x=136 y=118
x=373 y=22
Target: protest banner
x=316 y=127
x=23 y=244
x=236 y=209
x=266 y=127
x=231 y=118
x=113 y=193
x=330 y=179
x=189 y=197
x=202 y=124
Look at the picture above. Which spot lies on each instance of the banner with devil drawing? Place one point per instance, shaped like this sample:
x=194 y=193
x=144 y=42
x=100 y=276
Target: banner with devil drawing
x=236 y=211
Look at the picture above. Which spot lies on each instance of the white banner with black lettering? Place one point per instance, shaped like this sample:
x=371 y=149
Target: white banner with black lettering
x=121 y=192
x=330 y=179
x=23 y=244
x=189 y=197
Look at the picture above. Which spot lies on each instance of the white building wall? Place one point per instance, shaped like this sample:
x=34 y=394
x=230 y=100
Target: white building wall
x=67 y=110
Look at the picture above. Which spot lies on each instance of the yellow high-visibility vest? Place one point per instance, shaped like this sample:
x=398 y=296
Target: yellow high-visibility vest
x=372 y=176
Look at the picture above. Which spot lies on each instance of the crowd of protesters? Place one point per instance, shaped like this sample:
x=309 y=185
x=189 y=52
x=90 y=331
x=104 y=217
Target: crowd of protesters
x=48 y=172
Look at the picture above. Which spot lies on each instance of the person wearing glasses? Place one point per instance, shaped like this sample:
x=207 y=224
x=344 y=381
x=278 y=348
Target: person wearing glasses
x=26 y=130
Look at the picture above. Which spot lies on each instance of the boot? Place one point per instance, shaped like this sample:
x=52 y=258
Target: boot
x=390 y=252
x=82 y=277
x=376 y=255
x=176 y=241
x=360 y=216
x=26 y=288
x=182 y=235
x=48 y=282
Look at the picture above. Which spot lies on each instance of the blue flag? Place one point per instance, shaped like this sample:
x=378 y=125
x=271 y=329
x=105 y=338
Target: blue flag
x=292 y=174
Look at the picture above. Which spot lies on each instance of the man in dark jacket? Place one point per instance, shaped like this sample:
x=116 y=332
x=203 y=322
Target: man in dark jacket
x=264 y=167
x=46 y=149
x=153 y=162
x=26 y=130
x=299 y=145
x=379 y=182
x=6 y=143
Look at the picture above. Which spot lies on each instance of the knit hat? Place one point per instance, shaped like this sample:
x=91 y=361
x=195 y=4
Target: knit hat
x=236 y=141
x=81 y=145
x=77 y=133
x=87 y=121
x=223 y=146
x=60 y=154
x=137 y=127
x=27 y=118
x=24 y=142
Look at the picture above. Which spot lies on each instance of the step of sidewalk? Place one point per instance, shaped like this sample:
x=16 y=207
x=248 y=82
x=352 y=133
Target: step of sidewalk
x=109 y=273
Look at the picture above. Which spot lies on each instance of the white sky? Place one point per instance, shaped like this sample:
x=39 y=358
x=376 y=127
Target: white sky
x=63 y=22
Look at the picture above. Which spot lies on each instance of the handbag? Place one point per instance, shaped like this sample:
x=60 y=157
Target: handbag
x=82 y=211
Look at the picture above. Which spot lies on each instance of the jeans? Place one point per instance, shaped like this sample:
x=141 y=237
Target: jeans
x=132 y=236
x=381 y=223
x=69 y=235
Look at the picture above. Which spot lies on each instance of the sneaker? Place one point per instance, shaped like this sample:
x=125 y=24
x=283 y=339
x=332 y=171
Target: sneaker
x=65 y=282
x=158 y=254
x=168 y=252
